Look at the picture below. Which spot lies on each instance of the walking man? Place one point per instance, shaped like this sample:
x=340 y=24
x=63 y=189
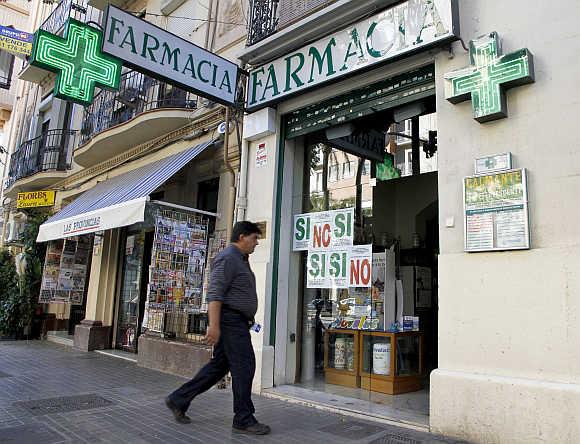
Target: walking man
x=232 y=306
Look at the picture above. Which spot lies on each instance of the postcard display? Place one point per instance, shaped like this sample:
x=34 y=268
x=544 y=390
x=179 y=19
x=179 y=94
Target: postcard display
x=176 y=273
x=64 y=276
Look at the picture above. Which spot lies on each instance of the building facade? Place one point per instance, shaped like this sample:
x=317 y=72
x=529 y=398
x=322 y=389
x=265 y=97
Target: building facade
x=143 y=175
x=497 y=342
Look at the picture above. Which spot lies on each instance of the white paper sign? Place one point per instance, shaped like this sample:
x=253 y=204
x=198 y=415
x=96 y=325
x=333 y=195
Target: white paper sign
x=325 y=230
x=361 y=258
x=261 y=155
x=328 y=269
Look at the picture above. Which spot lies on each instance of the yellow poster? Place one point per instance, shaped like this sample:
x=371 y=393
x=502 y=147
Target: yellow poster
x=33 y=199
x=15 y=41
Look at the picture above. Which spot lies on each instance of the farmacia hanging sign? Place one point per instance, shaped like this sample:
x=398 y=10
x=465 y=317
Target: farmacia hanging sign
x=168 y=57
x=406 y=28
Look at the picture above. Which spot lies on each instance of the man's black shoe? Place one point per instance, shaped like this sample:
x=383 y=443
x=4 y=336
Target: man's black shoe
x=254 y=429
x=179 y=416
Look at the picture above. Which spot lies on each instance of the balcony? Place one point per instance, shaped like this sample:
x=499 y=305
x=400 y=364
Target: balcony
x=76 y=9
x=277 y=27
x=40 y=162
x=143 y=109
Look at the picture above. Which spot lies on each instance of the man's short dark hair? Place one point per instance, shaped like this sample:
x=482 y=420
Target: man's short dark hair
x=244 y=228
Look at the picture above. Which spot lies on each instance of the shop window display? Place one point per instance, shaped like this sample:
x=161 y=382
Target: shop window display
x=362 y=316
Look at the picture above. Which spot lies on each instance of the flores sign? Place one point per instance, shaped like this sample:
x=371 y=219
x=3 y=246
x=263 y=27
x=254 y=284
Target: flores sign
x=168 y=57
x=33 y=199
x=397 y=31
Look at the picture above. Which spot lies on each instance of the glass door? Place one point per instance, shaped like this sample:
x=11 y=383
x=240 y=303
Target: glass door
x=131 y=290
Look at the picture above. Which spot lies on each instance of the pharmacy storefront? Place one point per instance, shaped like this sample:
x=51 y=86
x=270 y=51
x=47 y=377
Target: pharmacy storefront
x=400 y=219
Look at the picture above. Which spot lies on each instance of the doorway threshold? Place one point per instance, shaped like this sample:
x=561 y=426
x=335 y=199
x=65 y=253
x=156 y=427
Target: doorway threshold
x=119 y=354
x=356 y=407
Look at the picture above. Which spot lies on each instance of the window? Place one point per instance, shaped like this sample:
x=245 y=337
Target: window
x=348 y=169
x=6 y=66
x=366 y=168
x=333 y=171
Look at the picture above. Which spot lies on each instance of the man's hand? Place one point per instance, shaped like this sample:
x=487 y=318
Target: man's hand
x=212 y=335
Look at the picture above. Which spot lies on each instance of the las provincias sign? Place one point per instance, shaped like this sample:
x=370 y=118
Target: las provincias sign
x=168 y=57
x=406 y=28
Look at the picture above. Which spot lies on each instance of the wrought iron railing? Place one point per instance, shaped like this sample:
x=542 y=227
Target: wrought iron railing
x=137 y=93
x=263 y=20
x=77 y=9
x=270 y=16
x=47 y=152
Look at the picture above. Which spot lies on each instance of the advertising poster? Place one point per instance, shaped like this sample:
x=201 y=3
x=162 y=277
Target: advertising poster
x=496 y=212
x=378 y=277
x=15 y=41
x=361 y=259
x=323 y=230
x=328 y=269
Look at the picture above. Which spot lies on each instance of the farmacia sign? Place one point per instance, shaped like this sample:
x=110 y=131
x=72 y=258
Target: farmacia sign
x=401 y=30
x=172 y=59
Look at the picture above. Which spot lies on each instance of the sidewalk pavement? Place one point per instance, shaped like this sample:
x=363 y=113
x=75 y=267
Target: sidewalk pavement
x=51 y=394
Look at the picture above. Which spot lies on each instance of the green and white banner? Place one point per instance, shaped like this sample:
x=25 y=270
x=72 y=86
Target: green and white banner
x=403 y=29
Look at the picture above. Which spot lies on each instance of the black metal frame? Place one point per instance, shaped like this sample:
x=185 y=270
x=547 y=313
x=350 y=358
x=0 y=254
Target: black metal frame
x=137 y=93
x=76 y=9
x=47 y=152
x=263 y=20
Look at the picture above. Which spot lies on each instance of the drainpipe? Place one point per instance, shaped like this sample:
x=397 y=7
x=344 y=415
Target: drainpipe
x=228 y=165
x=242 y=200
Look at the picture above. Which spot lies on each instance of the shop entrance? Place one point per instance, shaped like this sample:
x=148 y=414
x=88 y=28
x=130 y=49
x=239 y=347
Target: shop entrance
x=368 y=305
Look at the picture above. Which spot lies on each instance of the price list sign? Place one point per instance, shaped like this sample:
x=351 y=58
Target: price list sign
x=496 y=211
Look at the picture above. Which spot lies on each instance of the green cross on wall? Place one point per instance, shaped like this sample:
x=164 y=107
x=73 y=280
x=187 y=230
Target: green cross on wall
x=488 y=77
x=77 y=61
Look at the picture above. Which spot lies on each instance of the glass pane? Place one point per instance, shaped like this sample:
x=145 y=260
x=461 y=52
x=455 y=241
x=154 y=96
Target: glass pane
x=130 y=292
x=341 y=351
x=408 y=355
x=376 y=355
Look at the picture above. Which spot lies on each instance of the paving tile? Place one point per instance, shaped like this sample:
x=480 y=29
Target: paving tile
x=136 y=413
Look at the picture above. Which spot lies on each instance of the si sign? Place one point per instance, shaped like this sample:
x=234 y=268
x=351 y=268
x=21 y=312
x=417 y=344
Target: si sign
x=323 y=230
x=168 y=57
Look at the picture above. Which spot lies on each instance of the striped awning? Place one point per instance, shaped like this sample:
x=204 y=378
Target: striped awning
x=116 y=202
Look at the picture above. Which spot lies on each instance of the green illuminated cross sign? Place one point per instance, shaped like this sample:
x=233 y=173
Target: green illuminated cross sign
x=488 y=77
x=77 y=61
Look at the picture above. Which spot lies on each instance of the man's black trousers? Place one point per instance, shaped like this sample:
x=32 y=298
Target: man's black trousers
x=233 y=353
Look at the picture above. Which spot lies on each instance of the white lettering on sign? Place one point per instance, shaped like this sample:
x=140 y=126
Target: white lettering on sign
x=394 y=32
x=177 y=61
